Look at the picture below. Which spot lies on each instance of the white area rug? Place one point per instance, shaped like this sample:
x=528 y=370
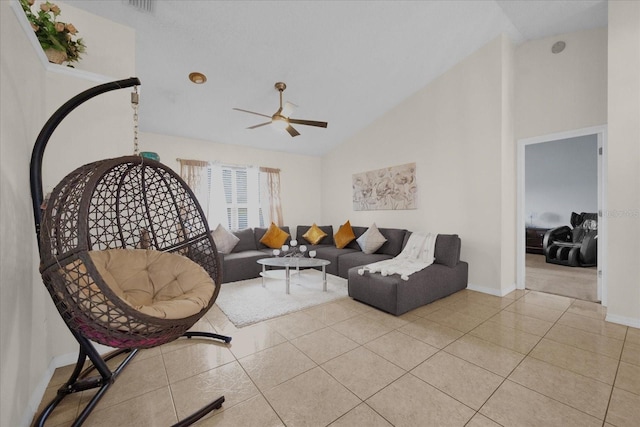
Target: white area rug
x=246 y=302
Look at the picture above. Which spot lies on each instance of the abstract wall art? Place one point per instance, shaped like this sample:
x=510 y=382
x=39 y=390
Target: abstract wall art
x=392 y=188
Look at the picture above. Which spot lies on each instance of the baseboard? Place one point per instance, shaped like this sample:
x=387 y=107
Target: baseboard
x=634 y=322
x=38 y=393
x=491 y=291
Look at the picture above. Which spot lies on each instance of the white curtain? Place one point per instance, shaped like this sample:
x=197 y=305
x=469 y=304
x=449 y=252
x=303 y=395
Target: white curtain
x=271 y=204
x=193 y=172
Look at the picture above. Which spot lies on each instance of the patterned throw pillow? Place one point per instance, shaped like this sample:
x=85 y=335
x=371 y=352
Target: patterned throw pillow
x=344 y=235
x=224 y=239
x=371 y=240
x=274 y=237
x=314 y=234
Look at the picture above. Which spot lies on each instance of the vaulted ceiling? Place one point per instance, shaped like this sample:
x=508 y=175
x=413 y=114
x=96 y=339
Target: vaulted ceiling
x=344 y=62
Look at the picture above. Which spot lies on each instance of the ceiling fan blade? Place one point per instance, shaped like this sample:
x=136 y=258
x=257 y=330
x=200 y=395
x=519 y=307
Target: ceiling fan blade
x=257 y=126
x=288 y=108
x=292 y=131
x=308 y=123
x=251 y=112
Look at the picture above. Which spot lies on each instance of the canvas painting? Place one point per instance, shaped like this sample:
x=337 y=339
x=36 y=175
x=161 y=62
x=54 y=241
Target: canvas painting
x=392 y=188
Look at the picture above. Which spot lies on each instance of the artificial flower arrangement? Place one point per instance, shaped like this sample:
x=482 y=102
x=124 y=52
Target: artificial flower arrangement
x=53 y=34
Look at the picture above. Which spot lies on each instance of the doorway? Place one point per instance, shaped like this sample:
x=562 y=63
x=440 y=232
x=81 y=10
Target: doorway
x=548 y=208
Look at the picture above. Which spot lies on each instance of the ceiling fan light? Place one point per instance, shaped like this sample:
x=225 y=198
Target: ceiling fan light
x=288 y=108
x=280 y=123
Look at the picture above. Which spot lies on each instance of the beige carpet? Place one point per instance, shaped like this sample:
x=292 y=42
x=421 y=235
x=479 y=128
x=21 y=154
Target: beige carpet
x=574 y=282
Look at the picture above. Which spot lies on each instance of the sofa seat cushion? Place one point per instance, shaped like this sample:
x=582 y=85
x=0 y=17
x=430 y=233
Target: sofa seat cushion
x=158 y=284
x=242 y=265
x=357 y=259
x=237 y=256
x=397 y=296
x=331 y=253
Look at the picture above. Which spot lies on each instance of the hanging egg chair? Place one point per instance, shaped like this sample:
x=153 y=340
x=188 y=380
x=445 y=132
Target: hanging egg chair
x=126 y=255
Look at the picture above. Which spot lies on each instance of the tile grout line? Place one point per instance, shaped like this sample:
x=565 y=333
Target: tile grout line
x=542 y=394
x=615 y=378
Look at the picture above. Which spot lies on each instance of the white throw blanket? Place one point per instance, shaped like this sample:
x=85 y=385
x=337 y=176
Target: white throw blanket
x=418 y=254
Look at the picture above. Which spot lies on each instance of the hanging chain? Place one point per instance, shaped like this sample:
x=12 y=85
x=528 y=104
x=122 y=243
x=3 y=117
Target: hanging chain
x=134 y=104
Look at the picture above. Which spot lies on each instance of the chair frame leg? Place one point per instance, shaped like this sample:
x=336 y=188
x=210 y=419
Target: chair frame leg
x=79 y=380
x=225 y=338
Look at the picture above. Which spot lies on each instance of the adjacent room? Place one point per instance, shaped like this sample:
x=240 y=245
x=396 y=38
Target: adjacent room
x=392 y=213
x=561 y=183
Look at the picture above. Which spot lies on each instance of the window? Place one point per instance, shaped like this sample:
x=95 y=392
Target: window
x=242 y=197
x=234 y=195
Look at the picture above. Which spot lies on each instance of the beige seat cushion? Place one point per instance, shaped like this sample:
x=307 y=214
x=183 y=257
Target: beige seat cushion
x=159 y=284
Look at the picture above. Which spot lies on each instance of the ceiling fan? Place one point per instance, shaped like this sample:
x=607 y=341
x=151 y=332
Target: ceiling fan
x=281 y=117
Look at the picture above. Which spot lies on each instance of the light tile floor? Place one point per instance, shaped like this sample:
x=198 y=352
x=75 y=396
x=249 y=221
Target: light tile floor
x=528 y=359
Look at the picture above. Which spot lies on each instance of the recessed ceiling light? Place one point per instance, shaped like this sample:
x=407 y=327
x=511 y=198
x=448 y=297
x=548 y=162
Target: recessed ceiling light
x=197 y=78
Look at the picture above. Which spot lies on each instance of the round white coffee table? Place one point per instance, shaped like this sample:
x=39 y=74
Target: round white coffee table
x=293 y=262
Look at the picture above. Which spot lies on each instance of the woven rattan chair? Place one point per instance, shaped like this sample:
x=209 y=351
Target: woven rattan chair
x=127 y=257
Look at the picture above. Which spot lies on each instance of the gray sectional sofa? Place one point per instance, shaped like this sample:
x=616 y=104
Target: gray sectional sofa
x=241 y=263
x=445 y=276
x=448 y=274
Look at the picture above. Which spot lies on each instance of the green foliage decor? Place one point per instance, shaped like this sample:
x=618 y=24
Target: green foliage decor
x=52 y=33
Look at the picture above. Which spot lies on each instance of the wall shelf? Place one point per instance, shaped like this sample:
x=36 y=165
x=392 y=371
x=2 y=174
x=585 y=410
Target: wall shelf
x=53 y=68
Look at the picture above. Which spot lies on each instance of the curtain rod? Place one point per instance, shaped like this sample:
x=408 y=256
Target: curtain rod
x=215 y=162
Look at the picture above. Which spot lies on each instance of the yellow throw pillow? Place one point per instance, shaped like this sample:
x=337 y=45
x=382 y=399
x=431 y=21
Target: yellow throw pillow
x=344 y=235
x=314 y=234
x=274 y=237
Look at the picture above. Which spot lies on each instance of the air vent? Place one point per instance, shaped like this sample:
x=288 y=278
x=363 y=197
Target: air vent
x=142 y=5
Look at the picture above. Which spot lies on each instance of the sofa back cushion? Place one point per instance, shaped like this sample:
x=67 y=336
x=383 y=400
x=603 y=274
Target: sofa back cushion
x=326 y=240
x=259 y=232
x=246 y=242
x=357 y=231
x=395 y=241
x=448 y=249
x=393 y=246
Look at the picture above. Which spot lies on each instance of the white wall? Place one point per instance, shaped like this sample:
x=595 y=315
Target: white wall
x=508 y=205
x=561 y=92
x=33 y=337
x=453 y=130
x=23 y=339
x=623 y=204
x=300 y=176
x=560 y=177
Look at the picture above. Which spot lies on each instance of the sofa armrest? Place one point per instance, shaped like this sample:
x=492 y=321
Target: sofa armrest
x=447 y=250
x=559 y=233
